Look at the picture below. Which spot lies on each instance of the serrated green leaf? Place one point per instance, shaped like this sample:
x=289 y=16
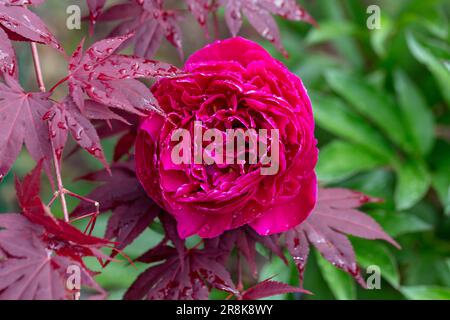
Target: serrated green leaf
x=418 y=118
x=340 y=283
x=374 y=253
x=399 y=223
x=438 y=67
x=339 y=160
x=377 y=106
x=413 y=181
x=426 y=293
x=333 y=115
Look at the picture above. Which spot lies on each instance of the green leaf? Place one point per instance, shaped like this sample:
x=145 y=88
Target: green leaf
x=330 y=30
x=375 y=105
x=399 y=223
x=340 y=283
x=375 y=253
x=413 y=182
x=441 y=174
x=339 y=160
x=346 y=46
x=438 y=67
x=443 y=270
x=426 y=293
x=312 y=67
x=379 y=37
x=418 y=118
x=333 y=115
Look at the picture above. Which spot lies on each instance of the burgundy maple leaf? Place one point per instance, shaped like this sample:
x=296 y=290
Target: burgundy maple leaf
x=22 y=2
x=244 y=240
x=124 y=144
x=334 y=217
x=200 y=9
x=23 y=25
x=21 y=121
x=133 y=210
x=149 y=21
x=8 y=60
x=259 y=14
x=37 y=249
x=110 y=79
x=269 y=288
x=65 y=117
x=95 y=8
x=189 y=279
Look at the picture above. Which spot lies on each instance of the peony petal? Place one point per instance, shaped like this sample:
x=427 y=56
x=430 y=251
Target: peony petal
x=287 y=215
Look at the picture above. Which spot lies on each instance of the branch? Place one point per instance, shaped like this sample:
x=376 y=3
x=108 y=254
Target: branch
x=61 y=190
x=40 y=81
x=37 y=66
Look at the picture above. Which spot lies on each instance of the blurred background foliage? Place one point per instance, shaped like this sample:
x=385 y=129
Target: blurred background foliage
x=381 y=100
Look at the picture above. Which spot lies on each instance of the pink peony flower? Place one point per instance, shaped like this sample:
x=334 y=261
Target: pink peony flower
x=231 y=84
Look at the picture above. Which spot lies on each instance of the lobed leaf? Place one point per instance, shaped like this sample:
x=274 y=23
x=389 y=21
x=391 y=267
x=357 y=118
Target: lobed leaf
x=21 y=122
x=334 y=217
x=22 y=24
x=109 y=79
x=38 y=249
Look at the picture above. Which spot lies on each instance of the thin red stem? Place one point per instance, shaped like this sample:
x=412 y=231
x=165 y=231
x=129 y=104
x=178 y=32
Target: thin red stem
x=37 y=66
x=40 y=81
x=52 y=200
x=61 y=189
x=59 y=83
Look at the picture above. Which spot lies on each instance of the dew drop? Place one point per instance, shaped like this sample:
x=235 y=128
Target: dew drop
x=47 y=115
x=62 y=125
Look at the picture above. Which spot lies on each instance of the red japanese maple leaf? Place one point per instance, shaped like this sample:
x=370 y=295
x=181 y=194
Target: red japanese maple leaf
x=95 y=8
x=149 y=21
x=21 y=121
x=22 y=2
x=36 y=249
x=133 y=210
x=269 y=288
x=28 y=269
x=259 y=15
x=8 y=60
x=244 y=240
x=334 y=217
x=200 y=9
x=187 y=279
x=65 y=117
x=23 y=25
x=109 y=78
